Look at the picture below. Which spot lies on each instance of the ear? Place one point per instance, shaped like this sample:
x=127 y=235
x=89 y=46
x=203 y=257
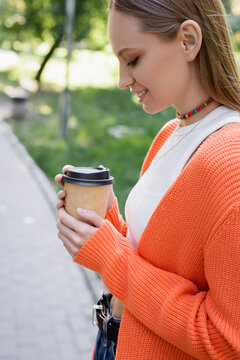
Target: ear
x=191 y=39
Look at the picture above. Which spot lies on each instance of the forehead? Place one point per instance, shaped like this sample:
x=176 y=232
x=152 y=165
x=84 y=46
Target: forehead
x=123 y=30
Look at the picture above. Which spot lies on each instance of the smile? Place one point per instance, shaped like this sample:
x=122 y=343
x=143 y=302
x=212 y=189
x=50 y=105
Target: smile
x=139 y=95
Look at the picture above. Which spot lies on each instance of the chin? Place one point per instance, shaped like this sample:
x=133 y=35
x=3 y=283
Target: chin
x=152 y=110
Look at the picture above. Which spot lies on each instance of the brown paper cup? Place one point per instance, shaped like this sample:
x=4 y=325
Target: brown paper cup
x=87 y=188
x=87 y=197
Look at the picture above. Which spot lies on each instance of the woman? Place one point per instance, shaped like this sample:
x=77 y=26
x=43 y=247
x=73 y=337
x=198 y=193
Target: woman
x=172 y=269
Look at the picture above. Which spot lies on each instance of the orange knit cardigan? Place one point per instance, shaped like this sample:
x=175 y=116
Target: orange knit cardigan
x=181 y=288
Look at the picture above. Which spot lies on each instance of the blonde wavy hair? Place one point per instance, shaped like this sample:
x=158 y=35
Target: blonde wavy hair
x=216 y=62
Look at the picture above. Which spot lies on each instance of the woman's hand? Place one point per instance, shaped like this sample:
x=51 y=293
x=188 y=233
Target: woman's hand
x=74 y=233
x=61 y=194
x=58 y=177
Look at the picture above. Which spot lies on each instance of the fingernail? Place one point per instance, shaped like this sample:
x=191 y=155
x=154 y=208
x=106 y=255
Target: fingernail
x=82 y=211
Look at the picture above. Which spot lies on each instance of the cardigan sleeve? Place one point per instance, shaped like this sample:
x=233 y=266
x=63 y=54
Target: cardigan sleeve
x=204 y=324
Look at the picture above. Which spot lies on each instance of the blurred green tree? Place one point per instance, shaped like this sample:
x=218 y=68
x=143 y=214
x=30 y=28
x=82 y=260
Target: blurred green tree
x=44 y=20
x=233 y=19
x=228 y=5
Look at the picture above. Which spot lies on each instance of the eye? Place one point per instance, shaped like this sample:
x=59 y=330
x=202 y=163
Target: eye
x=133 y=62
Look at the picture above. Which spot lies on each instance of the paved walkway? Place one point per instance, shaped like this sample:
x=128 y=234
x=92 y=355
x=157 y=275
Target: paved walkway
x=45 y=298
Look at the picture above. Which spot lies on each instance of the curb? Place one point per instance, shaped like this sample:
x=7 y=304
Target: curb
x=94 y=285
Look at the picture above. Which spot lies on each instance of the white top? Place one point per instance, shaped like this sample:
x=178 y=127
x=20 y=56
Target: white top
x=166 y=167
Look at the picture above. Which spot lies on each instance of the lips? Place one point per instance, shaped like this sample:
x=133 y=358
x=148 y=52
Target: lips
x=142 y=93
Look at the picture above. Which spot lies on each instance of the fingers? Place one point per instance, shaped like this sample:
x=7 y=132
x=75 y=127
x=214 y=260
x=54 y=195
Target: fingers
x=91 y=217
x=62 y=194
x=75 y=231
x=58 y=177
x=60 y=204
x=58 y=180
x=67 y=219
x=83 y=229
x=71 y=235
x=73 y=250
x=66 y=167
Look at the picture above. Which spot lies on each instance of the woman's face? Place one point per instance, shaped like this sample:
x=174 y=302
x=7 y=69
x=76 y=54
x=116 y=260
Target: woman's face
x=154 y=69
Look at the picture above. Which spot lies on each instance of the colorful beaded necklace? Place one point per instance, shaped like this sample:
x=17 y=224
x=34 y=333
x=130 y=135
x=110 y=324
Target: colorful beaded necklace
x=194 y=111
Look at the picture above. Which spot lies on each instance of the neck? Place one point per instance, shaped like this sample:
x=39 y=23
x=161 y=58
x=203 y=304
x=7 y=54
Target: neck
x=199 y=115
x=194 y=95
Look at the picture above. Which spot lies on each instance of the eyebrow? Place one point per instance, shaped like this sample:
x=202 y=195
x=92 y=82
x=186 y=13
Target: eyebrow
x=125 y=49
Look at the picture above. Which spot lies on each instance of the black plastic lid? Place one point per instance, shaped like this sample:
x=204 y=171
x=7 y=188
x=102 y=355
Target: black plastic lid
x=88 y=176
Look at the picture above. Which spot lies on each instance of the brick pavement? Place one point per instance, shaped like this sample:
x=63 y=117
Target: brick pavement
x=45 y=300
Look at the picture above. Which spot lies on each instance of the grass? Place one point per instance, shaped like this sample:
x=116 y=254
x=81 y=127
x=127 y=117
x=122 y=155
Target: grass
x=106 y=127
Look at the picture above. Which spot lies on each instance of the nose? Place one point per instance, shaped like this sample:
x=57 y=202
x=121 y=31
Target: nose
x=125 y=79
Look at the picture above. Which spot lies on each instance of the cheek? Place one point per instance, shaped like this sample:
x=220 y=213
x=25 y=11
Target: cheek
x=170 y=79
x=167 y=79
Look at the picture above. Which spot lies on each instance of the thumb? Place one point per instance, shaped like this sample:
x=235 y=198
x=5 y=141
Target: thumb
x=91 y=217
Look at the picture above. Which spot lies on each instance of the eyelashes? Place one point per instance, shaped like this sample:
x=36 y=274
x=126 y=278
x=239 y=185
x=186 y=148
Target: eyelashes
x=133 y=62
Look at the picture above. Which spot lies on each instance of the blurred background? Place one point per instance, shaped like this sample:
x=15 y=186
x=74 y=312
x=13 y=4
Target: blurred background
x=59 y=99
x=58 y=77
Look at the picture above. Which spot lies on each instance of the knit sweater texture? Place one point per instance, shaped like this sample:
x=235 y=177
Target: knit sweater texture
x=181 y=287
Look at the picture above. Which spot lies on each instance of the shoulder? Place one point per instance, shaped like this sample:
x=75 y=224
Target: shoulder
x=212 y=177
x=168 y=127
x=163 y=134
x=216 y=164
x=222 y=143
